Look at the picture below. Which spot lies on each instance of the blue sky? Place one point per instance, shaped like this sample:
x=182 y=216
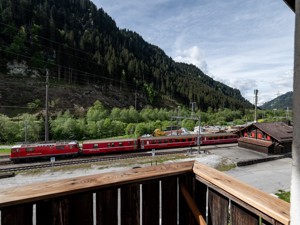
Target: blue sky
x=246 y=44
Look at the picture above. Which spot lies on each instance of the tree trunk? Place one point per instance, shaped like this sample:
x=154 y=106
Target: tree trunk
x=295 y=181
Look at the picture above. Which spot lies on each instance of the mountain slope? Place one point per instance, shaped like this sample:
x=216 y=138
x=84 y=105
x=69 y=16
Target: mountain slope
x=82 y=45
x=281 y=102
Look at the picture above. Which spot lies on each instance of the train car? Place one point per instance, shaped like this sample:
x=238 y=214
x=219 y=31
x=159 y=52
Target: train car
x=109 y=146
x=24 y=152
x=218 y=138
x=186 y=140
x=168 y=142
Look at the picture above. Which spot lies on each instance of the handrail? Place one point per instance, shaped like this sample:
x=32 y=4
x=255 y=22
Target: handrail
x=51 y=189
x=262 y=201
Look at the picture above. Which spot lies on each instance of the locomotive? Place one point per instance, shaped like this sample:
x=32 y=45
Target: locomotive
x=22 y=152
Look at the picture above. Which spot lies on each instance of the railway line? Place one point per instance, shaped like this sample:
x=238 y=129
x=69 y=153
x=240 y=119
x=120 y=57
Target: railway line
x=9 y=167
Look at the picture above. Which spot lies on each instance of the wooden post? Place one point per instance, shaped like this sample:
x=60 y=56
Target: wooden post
x=295 y=181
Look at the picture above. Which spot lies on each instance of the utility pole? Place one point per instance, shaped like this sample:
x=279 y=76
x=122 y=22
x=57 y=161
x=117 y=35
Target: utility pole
x=199 y=136
x=25 y=130
x=178 y=119
x=255 y=111
x=135 y=100
x=46 y=114
x=193 y=103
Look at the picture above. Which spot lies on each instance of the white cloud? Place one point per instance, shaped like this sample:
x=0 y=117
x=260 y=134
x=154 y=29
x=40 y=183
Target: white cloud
x=193 y=56
x=245 y=44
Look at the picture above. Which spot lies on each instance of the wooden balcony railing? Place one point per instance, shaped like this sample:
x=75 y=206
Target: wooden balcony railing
x=169 y=194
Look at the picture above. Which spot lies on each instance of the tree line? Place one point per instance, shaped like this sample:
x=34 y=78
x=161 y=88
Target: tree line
x=98 y=122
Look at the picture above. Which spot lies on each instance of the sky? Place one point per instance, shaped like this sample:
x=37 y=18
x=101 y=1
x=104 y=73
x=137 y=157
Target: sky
x=246 y=44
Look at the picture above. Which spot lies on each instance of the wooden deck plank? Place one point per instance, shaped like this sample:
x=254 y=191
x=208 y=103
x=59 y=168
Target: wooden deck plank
x=42 y=191
x=264 y=202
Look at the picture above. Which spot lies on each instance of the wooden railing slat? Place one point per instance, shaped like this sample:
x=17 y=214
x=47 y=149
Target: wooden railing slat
x=185 y=214
x=130 y=204
x=150 y=204
x=240 y=215
x=17 y=215
x=72 y=210
x=107 y=207
x=217 y=208
x=169 y=200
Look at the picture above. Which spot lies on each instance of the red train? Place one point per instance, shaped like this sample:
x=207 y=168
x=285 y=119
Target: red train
x=106 y=146
x=43 y=150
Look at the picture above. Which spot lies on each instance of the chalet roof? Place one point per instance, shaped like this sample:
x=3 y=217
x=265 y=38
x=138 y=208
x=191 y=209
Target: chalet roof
x=278 y=130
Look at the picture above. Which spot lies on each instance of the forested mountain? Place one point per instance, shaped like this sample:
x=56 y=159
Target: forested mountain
x=281 y=102
x=81 y=45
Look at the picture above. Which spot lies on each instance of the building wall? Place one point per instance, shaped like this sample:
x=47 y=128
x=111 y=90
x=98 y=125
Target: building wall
x=256 y=148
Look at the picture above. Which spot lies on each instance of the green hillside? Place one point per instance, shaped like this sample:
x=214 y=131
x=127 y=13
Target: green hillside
x=281 y=102
x=83 y=49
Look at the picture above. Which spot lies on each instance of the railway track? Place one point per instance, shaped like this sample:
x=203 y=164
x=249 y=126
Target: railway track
x=85 y=160
x=5 y=165
x=6 y=162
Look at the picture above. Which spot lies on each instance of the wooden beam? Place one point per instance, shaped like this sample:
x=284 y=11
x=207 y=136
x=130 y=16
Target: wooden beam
x=191 y=203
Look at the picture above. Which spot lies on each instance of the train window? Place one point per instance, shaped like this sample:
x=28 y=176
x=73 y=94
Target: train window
x=112 y=144
x=95 y=146
x=166 y=141
x=60 y=147
x=121 y=144
x=30 y=149
x=108 y=145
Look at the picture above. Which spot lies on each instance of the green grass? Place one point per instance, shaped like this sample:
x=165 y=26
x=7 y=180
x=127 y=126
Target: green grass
x=4 y=151
x=225 y=166
x=284 y=195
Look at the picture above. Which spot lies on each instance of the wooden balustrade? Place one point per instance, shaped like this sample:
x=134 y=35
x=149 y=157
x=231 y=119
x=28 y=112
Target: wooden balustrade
x=177 y=193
